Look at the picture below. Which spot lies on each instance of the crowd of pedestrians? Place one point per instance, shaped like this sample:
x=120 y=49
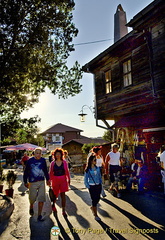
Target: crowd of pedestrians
x=58 y=176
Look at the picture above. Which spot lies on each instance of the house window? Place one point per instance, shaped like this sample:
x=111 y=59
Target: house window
x=127 y=76
x=57 y=138
x=108 y=81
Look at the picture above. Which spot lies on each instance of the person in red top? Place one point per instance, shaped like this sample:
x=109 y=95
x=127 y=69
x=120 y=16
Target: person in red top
x=59 y=177
x=24 y=160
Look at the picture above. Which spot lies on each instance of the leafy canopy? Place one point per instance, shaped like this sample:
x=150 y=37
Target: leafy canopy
x=107 y=136
x=21 y=131
x=35 y=42
x=88 y=146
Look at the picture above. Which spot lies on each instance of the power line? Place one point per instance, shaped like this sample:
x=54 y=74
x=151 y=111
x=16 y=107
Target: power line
x=76 y=44
x=85 y=43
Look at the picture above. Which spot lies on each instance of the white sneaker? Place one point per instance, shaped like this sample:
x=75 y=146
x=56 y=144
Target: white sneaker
x=97 y=218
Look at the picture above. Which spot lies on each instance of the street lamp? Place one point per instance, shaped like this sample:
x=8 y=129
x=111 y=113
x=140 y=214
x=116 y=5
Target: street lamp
x=82 y=114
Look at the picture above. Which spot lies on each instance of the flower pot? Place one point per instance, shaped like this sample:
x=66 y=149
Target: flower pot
x=9 y=192
x=1 y=188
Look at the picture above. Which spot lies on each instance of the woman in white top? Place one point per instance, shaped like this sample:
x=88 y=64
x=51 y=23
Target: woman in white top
x=112 y=163
x=99 y=163
x=99 y=158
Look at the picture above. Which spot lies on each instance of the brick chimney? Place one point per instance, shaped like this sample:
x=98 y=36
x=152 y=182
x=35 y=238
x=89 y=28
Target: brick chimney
x=120 y=20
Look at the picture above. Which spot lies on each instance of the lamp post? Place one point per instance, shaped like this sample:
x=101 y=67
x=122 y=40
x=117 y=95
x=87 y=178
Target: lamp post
x=82 y=114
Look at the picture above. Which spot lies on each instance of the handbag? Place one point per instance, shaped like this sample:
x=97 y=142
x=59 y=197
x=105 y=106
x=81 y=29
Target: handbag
x=51 y=195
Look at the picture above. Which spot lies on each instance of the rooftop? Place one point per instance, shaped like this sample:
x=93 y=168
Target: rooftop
x=61 y=128
x=85 y=140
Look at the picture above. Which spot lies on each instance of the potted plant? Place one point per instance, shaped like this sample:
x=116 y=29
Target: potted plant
x=2 y=178
x=10 y=179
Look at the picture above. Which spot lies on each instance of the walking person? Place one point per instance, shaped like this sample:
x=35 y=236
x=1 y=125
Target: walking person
x=93 y=181
x=100 y=164
x=24 y=160
x=67 y=158
x=34 y=179
x=112 y=165
x=60 y=178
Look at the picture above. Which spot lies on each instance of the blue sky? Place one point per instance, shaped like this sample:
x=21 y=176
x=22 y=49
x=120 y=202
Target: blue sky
x=95 y=21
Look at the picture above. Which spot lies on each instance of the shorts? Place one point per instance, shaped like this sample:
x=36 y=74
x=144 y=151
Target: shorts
x=37 y=191
x=59 y=185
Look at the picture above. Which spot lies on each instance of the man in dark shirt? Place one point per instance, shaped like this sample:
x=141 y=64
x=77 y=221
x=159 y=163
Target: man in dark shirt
x=139 y=176
x=34 y=179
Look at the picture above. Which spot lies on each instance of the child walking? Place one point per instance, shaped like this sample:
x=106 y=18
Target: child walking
x=93 y=182
x=60 y=178
x=34 y=179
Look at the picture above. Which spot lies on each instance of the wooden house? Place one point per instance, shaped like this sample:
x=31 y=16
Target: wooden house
x=74 y=148
x=59 y=134
x=129 y=80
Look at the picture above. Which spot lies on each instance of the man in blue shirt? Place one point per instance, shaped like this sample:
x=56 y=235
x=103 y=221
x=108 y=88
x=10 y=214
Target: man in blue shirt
x=34 y=179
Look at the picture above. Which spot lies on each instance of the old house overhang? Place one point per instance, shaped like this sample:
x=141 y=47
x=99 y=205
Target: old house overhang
x=91 y=66
x=151 y=119
x=140 y=30
x=139 y=20
x=98 y=61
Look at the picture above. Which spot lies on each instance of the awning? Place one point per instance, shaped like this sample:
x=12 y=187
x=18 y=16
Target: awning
x=25 y=146
x=142 y=120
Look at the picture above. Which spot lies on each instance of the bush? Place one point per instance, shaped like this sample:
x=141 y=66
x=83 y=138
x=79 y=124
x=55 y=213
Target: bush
x=87 y=147
x=2 y=176
x=10 y=178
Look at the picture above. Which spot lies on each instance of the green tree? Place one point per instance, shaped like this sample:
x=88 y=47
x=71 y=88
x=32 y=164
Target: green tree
x=35 y=42
x=88 y=146
x=39 y=140
x=18 y=129
x=29 y=136
x=107 y=136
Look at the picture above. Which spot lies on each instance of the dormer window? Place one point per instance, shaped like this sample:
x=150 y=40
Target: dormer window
x=127 y=75
x=108 y=81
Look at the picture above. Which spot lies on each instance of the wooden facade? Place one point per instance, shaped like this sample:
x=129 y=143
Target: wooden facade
x=133 y=92
x=145 y=47
x=59 y=134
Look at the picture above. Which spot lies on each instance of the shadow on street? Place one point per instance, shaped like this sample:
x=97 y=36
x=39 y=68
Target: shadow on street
x=85 y=196
x=110 y=232
x=139 y=223
x=149 y=206
x=72 y=211
x=62 y=230
x=40 y=230
x=4 y=225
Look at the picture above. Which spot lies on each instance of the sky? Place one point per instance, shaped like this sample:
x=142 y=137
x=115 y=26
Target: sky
x=95 y=21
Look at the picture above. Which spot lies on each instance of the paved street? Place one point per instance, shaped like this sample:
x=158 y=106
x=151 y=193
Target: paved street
x=131 y=217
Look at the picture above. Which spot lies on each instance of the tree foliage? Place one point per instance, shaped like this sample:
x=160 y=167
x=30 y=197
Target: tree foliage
x=21 y=130
x=88 y=146
x=107 y=136
x=35 y=42
x=27 y=135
